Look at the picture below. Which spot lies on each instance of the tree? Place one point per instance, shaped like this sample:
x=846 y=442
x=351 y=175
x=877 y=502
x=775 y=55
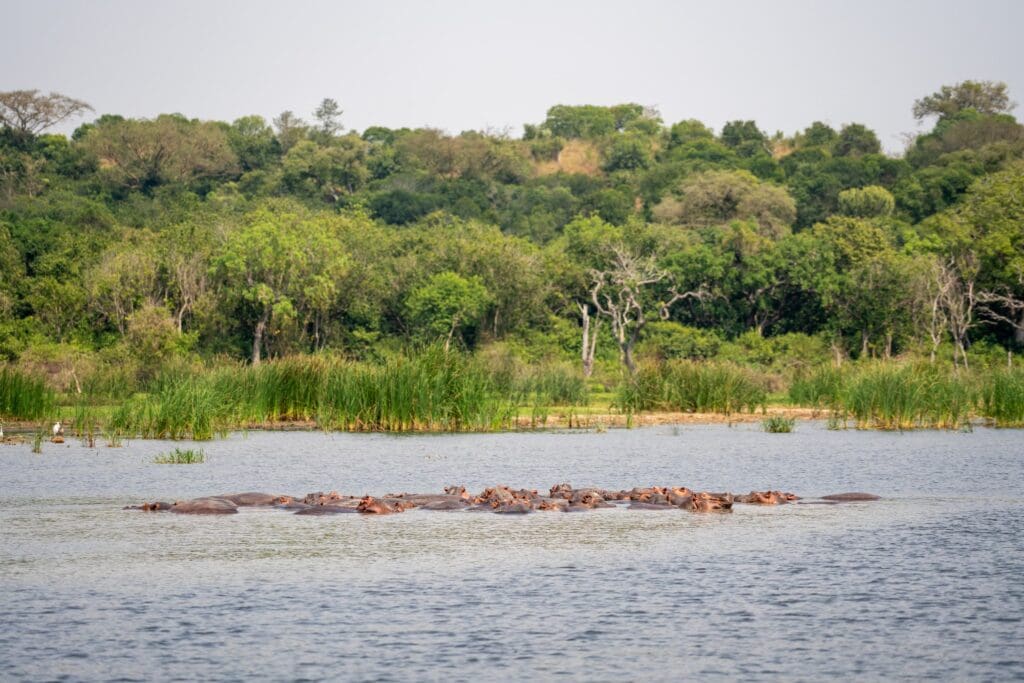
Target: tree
x=744 y=137
x=290 y=129
x=27 y=112
x=280 y=263
x=620 y=293
x=253 y=141
x=447 y=303
x=328 y=114
x=140 y=154
x=718 y=197
x=856 y=140
x=987 y=97
x=866 y=202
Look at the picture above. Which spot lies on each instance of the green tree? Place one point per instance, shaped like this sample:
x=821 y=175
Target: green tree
x=446 y=304
x=987 y=97
x=866 y=202
x=280 y=264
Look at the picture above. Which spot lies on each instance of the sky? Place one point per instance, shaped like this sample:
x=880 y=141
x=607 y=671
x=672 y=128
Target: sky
x=472 y=64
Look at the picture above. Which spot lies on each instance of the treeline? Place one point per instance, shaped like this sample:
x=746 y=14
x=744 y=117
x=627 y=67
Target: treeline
x=602 y=234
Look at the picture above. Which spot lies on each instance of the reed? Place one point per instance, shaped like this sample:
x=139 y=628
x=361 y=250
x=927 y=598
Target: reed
x=693 y=387
x=184 y=407
x=819 y=388
x=179 y=456
x=778 y=424
x=899 y=397
x=1002 y=398
x=24 y=397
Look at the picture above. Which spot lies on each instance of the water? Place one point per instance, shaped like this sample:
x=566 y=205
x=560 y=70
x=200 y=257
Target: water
x=924 y=584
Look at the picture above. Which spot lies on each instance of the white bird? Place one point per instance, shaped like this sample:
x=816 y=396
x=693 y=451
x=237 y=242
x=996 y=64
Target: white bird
x=58 y=430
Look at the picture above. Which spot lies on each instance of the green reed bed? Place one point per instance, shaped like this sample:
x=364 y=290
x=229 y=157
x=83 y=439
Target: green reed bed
x=818 y=388
x=908 y=397
x=433 y=391
x=24 y=397
x=181 y=407
x=693 y=387
x=1002 y=398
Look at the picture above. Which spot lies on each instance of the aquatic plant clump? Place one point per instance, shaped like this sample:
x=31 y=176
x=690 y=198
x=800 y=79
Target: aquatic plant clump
x=179 y=456
x=778 y=424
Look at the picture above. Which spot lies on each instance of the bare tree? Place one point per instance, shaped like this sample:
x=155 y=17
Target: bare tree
x=589 y=345
x=1002 y=305
x=618 y=292
x=28 y=112
x=958 y=300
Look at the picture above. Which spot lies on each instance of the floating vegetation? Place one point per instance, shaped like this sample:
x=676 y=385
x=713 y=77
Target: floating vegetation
x=778 y=424
x=180 y=456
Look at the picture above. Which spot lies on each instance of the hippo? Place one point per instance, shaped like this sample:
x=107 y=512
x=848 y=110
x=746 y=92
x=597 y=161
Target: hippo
x=251 y=498
x=854 y=497
x=516 y=508
x=640 y=505
x=150 y=507
x=369 y=505
x=326 y=509
x=446 y=505
x=591 y=498
x=205 y=506
x=561 y=491
x=552 y=504
x=320 y=498
x=459 y=491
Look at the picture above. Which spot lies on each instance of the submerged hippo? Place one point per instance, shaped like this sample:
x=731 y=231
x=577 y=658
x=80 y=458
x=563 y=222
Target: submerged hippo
x=205 y=506
x=252 y=498
x=854 y=497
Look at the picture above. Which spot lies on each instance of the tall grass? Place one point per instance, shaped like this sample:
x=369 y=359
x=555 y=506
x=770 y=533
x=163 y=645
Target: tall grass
x=23 y=397
x=693 y=387
x=1002 y=398
x=819 y=388
x=887 y=396
x=432 y=391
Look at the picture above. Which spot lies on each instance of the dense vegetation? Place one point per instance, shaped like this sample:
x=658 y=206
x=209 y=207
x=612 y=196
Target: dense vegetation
x=140 y=250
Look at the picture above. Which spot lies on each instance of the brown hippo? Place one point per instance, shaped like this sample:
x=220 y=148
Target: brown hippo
x=640 y=505
x=590 y=498
x=251 y=498
x=459 y=491
x=446 y=505
x=519 y=507
x=552 y=504
x=707 y=502
x=150 y=507
x=205 y=506
x=369 y=505
x=325 y=509
x=321 y=498
x=561 y=491
x=854 y=497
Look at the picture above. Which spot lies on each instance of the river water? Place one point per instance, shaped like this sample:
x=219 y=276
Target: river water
x=927 y=583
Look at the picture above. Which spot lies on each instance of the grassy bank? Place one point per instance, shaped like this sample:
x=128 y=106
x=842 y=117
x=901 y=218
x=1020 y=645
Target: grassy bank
x=435 y=391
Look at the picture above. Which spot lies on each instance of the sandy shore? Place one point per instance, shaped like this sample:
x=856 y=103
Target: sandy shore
x=554 y=420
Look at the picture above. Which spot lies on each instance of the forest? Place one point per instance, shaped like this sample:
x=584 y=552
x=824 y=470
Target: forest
x=602 y=245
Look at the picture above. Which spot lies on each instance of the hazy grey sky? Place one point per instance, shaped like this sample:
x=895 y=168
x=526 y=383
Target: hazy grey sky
x=462 y=64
